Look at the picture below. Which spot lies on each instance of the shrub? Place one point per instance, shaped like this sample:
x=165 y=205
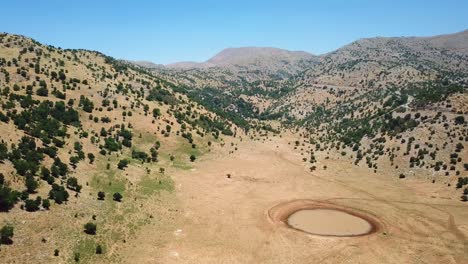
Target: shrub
x=32 y=205
x=90 y=228
x=139 y=155
x=31 y=184
x=156 y=112
x=91 y=158
x=459 y=120
x=122 y=164
x=8 y=198
x=58 y=193
x=72 y=184
x=101 y=195
x=77 y=257
x=46 y=204
x=42 y=91
x=98 y=249
x=117 y=197
x=6 y=234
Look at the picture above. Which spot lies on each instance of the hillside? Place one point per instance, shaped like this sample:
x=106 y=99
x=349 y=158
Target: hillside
x=87 y=138
x=366 y=100
x=265 y=79
x=377 y=62
x=111 y=161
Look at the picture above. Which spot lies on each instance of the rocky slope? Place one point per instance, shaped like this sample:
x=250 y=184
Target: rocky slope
x=377 y=62
x=87 y=139
x=394 y=103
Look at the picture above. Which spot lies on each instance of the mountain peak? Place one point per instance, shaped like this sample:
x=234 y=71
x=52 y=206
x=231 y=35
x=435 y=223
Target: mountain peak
x=249 y=55
x=258 y=57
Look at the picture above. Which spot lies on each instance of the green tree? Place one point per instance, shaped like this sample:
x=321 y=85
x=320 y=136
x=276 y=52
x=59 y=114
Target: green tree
x=58 y=193
x=156 y=112
x=72 y=184
x=46 y=204
x=98 y=249
x=32 y=205
x=31 y=184
x=90 y=228
x=101 y=195
x=122 y=164
x=76 y=257
x=117 y=197
x=42 y=91
x=459 y=120
x=6 y=234
x=91 y=158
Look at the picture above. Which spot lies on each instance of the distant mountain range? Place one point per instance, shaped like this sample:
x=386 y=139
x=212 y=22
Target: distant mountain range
x=249 y=56
x=363 y=63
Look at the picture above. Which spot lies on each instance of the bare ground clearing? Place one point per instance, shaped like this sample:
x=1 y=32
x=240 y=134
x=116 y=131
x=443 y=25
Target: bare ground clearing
x=224 y=220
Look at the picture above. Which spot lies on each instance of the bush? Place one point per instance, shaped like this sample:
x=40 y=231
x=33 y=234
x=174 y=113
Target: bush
x=101 y=195
x=86 y=104
x=90 y=228
x=58 y=193
x=31 y=184
x=8 y=198
x=111 y=144
x=72 y=184
x=6 y=234
x=464 y=198
x=77 y=257
x=156 y=112
x=32 y=205
x=117 y=197
x=459 y=120
x=122 y=164
x=46 y=204
x=192 y=158
x=139 y=155
x=42 y=91
x=91 y=158
x=98 y=249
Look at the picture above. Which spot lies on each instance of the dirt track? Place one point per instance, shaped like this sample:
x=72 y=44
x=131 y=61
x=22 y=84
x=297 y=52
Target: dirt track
x=225 y=220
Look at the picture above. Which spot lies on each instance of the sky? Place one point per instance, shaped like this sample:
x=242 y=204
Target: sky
x=175 y=30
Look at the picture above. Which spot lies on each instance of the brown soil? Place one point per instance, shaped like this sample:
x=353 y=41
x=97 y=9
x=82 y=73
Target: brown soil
x=226 y=220
x=329 y=222
x=281 y=215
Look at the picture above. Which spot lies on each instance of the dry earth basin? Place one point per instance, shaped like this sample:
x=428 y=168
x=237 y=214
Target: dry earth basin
x=323 y=219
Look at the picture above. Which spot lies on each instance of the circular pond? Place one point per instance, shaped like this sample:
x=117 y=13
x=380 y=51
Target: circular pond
x=323 y=218
x=328 y=222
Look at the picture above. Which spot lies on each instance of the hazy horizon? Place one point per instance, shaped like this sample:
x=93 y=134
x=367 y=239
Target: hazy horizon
x=166 y=33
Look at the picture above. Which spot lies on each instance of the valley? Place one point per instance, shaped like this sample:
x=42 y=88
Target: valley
x=112 y=161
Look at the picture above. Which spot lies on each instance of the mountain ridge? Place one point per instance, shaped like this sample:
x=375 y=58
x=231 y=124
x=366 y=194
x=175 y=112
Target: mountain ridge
x=216 y=60
x=241 y=56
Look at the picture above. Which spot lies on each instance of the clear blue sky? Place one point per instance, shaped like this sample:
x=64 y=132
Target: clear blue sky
x=174 y=30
